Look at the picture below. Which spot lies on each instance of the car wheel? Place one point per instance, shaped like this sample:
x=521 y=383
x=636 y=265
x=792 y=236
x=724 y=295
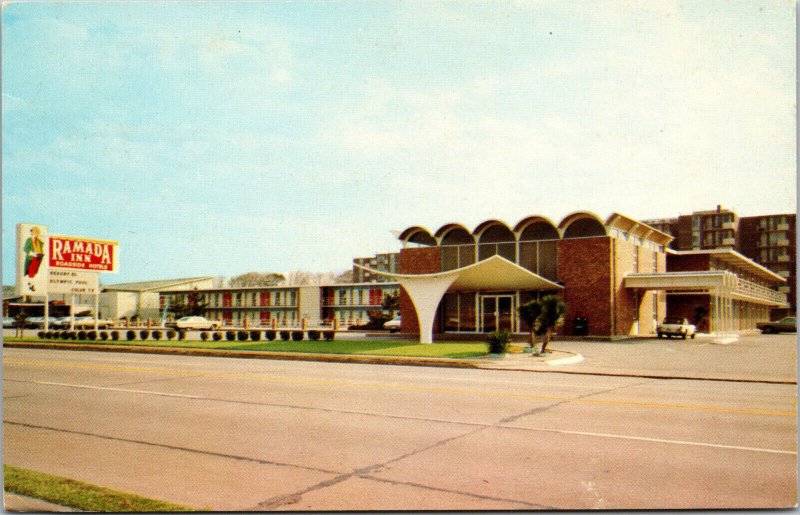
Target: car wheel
x=693 y=335
x=683 y=336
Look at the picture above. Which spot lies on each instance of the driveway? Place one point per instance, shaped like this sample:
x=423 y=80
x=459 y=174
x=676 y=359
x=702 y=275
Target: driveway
x=755 y=358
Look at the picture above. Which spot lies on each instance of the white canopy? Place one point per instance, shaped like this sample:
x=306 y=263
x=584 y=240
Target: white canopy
x=495 y=273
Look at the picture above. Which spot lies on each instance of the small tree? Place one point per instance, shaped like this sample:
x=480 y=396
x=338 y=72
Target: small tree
x=553 y=309
x=543 y=317
x=530 y=313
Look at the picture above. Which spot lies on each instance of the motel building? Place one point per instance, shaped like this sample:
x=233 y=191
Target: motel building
x=617 y=274
x=339 y=305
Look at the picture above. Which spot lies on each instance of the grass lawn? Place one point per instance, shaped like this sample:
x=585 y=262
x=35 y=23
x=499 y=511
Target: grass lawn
x=362 y=347
x=75 y=494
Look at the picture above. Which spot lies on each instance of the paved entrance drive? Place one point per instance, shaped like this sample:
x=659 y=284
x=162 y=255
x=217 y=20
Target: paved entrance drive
x=754 y=357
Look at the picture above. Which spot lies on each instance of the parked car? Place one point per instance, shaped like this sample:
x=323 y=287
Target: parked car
x=8 y=322
x=784 y=325
x=393 y=325
x=195 y=322
x=87 y=322
x=35 y=322
x=676 y=326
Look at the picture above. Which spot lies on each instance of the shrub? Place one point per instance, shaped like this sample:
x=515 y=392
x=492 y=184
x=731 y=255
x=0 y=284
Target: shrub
x=230 y=335
x=217 y=336
x=242 y=335
x=285 y=335
x=328 y=335
x=81 y=335
x=92 y=335
x=156 y=335
x=170 y=334
x=144 y=334
x=255 y=335
x=103 y=335
x=181 y=334
x=64 y=335
x=72 y=335
x=297 y=335
x=270 y=335
x=131 y=334
x=204 y=336
x=313 y=335
x=114 y=335
x=498 y=342
x=40 y=334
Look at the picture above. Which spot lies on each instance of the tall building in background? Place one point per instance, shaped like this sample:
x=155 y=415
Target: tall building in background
x=382 y=262
x=769 y=240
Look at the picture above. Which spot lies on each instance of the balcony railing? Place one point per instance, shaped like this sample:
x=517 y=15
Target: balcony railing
x=784 y=258
x=729 y=241
x=756 y=291
x=782 y=243
x=728 y=225
x=782 y=227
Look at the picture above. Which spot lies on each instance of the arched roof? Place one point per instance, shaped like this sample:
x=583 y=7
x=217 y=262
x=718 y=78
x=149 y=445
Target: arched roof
x=449 y=227
x=488 y=223
x=411 y=231
x=531 y=220
x=577 y=216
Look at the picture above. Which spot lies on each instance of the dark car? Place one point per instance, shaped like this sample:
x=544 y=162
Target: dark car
x=784 y=325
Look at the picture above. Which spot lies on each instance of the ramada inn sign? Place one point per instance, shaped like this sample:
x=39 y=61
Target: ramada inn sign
x=61 y=264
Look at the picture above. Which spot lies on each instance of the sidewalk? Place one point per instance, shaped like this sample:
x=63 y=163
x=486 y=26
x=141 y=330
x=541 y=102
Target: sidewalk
x=21 y=503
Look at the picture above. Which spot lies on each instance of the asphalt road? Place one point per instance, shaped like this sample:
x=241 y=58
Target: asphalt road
x=234 y=435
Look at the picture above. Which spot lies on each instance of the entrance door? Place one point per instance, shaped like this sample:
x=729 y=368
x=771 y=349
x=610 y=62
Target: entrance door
x=497 y=313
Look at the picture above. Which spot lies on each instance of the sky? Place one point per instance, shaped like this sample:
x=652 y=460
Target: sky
x=221 y=138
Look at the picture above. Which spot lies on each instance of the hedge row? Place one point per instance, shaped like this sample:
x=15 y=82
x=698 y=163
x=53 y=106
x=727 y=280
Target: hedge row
x=156 y=334
x=255 y=335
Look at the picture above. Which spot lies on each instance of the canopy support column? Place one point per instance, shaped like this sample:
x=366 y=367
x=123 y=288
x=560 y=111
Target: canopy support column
x=425 y=294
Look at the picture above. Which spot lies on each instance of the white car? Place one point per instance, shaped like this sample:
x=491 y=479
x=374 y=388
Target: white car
x=200 y=323
x=85 y=322
x=393 y=325
x=676 y=326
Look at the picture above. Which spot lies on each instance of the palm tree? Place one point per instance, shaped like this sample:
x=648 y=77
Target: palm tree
x=543 y=317
x=553 y=309
x=529 y=313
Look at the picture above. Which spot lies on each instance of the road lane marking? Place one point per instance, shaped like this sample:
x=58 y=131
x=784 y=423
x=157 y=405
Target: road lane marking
x=448 y=421
x=653 y=440
x=410 y=388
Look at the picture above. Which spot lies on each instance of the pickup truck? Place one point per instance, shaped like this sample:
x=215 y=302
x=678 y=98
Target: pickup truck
x=676 y=326
x=784 y=325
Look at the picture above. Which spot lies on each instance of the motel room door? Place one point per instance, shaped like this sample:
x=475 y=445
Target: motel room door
x=497 y=313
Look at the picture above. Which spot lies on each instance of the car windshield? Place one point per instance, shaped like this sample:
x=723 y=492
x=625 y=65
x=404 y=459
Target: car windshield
x=673 y=320
x=789 y=320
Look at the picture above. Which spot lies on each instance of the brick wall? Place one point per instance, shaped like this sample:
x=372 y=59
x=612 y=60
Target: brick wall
x=584 y=269
x=690 y=263
x=419 y=260
x=686 y=306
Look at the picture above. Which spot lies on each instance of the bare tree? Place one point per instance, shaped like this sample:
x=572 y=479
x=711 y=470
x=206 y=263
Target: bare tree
x=344 y=277
x=303 y=278
x=251 y=279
